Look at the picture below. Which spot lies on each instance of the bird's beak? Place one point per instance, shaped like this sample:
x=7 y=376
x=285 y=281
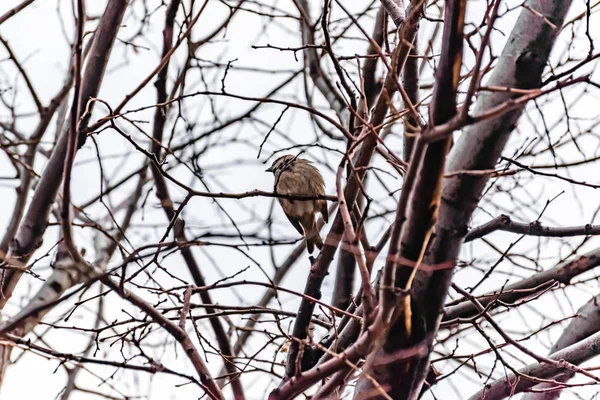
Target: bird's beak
x=270 y=169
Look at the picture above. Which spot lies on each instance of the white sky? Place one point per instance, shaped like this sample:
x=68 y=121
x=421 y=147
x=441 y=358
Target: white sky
x=36 y=37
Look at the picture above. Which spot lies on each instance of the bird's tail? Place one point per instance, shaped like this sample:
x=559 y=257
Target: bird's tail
x=311 y=233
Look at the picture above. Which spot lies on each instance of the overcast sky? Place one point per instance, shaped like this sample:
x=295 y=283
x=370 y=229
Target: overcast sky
x=40 y=40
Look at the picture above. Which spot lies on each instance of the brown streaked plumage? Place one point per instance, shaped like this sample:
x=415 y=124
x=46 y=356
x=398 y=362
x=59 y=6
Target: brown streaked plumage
x=296 y=176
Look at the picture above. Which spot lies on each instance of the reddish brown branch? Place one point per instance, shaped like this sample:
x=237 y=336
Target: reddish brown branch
x=212 y=389
x=413 y=226
x=76 y=110
x=520 y=66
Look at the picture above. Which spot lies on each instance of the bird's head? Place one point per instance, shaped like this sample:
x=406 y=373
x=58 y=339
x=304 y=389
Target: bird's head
x=282 y=163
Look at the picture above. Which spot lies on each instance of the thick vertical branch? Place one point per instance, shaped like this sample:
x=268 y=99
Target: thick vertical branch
x=410 y=81
x=28 y=159
x=479 y=147
x=344 y=280
x=33 y=225
x=371 y=86
x=65 y=209
x=417 y=214
x=395 y=9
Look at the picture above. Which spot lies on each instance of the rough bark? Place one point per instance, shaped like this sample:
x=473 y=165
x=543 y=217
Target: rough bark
x=415 y=218
x=520 y=65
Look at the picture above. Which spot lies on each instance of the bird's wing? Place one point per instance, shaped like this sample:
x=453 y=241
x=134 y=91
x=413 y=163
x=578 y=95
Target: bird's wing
x=296 y=224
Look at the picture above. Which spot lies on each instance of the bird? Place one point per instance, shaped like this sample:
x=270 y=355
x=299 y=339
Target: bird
x=297 y=176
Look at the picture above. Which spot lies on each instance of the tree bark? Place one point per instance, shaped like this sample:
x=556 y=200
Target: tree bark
x=34 y=223
x=479 y=147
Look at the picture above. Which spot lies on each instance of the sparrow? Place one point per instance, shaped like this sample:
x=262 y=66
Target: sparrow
x=297 y=176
